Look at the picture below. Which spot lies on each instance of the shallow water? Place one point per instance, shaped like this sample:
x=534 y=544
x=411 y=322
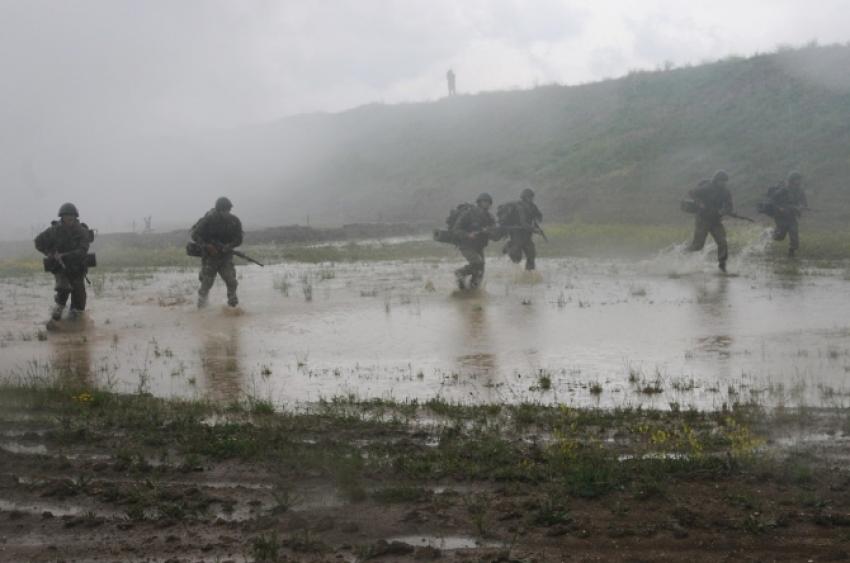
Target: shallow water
x=609 y=333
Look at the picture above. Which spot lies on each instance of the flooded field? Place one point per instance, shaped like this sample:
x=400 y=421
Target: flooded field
x=663 y=333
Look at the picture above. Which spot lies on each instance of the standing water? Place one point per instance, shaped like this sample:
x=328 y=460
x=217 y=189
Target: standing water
x=665 y=332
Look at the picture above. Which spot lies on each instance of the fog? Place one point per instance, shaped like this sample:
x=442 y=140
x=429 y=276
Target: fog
x=131 y=109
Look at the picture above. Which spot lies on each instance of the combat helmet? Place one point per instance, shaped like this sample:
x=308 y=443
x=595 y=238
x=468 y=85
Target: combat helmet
x=527 y=194
x=720 y=177
x=794 y=178
x=484 y=196
x=223 y=204
x=68 y=209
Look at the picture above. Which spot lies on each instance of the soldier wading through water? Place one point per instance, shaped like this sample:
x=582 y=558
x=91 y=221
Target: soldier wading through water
x=785 y=203
x=471 y=230
x=710 y=202
x=216 y=234
x=520 y=220
x=65 y=243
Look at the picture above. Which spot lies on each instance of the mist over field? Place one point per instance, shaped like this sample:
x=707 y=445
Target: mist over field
x=620 y=375
x=155 y=109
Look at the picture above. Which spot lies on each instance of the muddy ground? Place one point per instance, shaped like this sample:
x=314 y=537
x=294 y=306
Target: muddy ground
x=90 y=476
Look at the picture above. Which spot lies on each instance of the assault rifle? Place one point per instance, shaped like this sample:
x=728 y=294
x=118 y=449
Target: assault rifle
x=741 y=217
x=536 y=229
x=196 y=249
x=55 y=262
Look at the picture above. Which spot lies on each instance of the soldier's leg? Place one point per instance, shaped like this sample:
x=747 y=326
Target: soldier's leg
x=474 y=263
x=794 y=233
x=700 y=234
x=530 y=253
x=207 y=279
x=780 y=230
x=478 y=270
x=718 y=233
x=63 y=290
x=78 y=293
x=513 y=248
x=227 y=271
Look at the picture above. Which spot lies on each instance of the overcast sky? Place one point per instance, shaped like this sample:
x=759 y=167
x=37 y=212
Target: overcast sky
x=165 y=65
x=102 y=69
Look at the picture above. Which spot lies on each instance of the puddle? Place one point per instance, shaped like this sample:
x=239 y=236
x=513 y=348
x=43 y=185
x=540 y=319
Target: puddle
x=445 y=543
x=24 y=449
x=58 y=510
x=600 y=333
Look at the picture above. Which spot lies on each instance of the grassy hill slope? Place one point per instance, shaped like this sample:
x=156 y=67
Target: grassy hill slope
x=623 y=150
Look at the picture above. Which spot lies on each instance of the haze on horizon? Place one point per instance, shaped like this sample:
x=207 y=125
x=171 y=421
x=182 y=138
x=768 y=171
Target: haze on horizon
x=104 y=102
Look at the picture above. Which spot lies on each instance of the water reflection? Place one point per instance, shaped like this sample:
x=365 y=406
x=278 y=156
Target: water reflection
x=713 y=314
x=472 y=340
x=220 y=361
x=71 y=359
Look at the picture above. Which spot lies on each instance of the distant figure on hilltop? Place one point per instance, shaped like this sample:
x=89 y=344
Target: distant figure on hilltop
x=450 y=78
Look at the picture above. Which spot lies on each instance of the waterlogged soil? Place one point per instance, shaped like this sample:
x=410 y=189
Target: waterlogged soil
x=661 y=332
x=73 y=489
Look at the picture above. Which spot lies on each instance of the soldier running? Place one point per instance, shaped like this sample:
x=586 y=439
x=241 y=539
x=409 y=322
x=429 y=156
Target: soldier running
x=472 y=231
x=218 y=233
x=713 y=200
x=785 y=204
x=526 y=223
x=66 y=243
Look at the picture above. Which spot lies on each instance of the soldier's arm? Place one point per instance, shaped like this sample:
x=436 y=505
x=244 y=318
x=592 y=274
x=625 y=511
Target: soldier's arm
x=81 y=243
x=727 y=206
x=803 y=201
x=240 y=234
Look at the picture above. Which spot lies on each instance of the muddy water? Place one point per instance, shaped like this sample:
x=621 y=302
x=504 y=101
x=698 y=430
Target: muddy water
x=609 y=333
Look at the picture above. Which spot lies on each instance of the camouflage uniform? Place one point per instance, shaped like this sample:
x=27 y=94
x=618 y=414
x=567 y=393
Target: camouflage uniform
x=786 y=202
x=72 y=241
x=713 y=200
x=522 y=238
x=479 y=221
x=221 y=227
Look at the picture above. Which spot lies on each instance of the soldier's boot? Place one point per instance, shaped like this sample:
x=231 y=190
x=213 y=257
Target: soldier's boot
x=460 y=277
x=56 y=311
x=722 y=266
x=202 y=300
x=529 y=264
x=232 y=300
x=792 y=252
x=74 y=314
x=475 y=280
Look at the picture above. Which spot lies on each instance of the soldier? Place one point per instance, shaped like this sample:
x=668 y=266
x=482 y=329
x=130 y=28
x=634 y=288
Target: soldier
x=218 y=233
x=786 y=203
x=450 y=79
x=713 y=200
x=472 y=231
x=526 y=223
x=66 y=244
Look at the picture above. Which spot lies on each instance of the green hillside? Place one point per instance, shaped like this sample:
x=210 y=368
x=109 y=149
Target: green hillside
x=622 y=150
